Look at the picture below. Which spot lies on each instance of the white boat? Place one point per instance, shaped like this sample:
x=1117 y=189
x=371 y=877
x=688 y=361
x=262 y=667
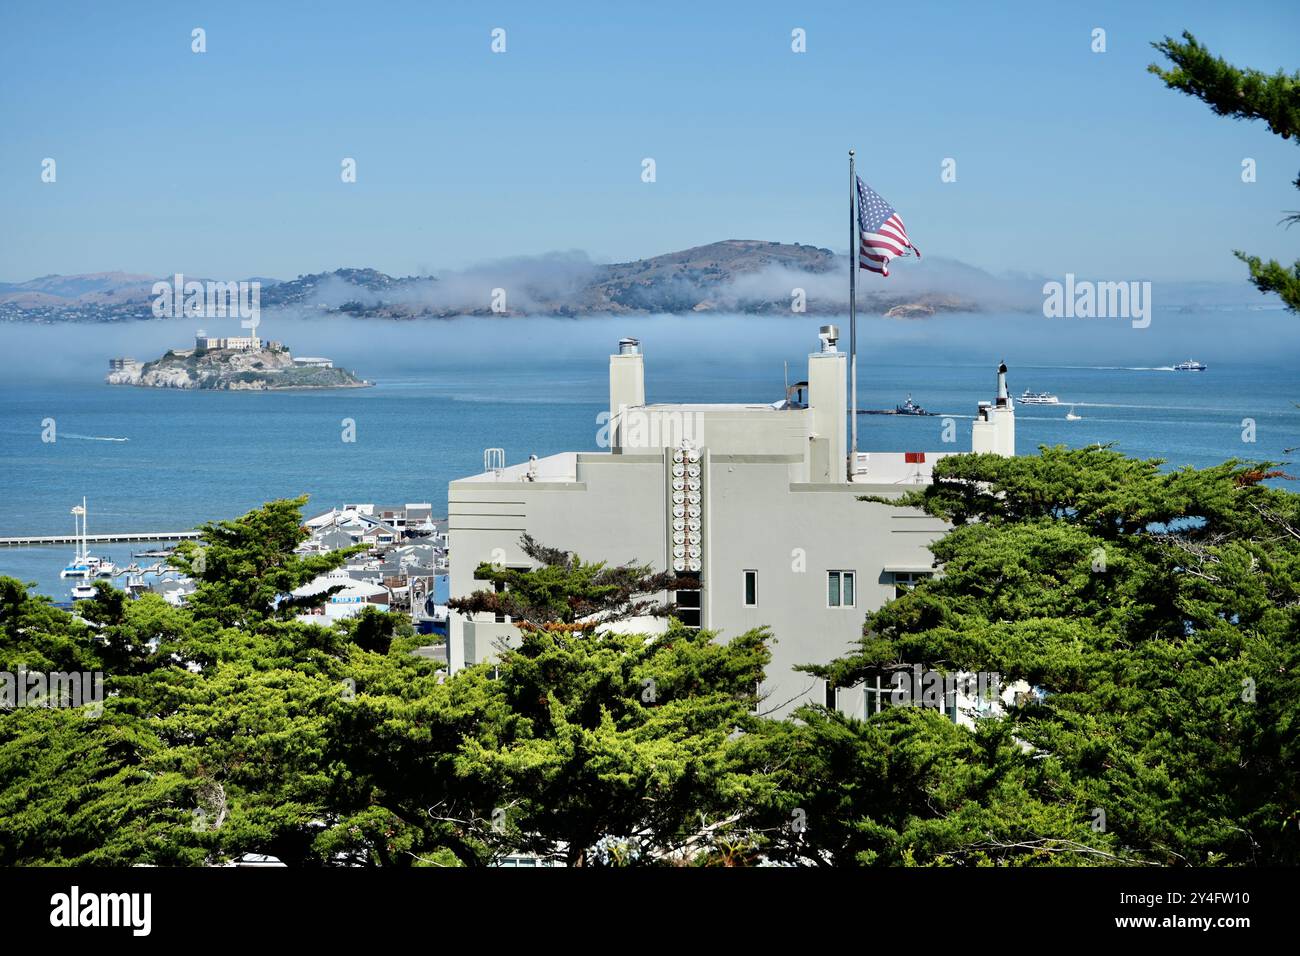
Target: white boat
x=79 y=566
x=76 y=568
x=84 y=564
x=1191 y=365
x=1038 y=398
x=1071 y=417
x=82 y=592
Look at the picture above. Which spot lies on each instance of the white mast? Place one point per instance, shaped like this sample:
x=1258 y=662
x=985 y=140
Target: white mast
x=79 y=534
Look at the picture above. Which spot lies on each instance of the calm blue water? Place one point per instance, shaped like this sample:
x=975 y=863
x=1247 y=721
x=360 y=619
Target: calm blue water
x=447 y=390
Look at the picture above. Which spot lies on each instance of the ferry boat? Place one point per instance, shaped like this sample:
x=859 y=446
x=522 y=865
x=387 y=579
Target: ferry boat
x=1191 y=365
x=1038 y=398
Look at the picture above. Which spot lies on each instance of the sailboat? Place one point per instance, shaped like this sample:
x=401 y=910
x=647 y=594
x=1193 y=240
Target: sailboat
x=83 y=563
x=1071 y=417
x=79 y=566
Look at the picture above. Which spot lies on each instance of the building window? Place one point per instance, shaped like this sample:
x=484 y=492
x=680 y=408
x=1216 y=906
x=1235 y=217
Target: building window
x=875 y=694
x=830 y=700
x=840 y=589
x=751 y=589
x=904 y=581
x=688 y=607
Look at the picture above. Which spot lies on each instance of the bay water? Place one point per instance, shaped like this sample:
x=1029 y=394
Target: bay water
x=166 y=460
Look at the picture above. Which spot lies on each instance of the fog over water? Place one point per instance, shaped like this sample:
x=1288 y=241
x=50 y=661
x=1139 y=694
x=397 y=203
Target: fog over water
x=79 y=352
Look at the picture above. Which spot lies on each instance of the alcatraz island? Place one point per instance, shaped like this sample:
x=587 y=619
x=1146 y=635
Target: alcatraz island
x=245 y=363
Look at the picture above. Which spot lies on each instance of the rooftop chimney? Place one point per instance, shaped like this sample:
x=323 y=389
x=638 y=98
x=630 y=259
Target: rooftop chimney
x=994 y=429
x=828 y=404
x=829 y=335
x=626 y=386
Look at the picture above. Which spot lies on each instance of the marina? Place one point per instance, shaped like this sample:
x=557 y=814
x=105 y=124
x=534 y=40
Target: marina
x=404 y=567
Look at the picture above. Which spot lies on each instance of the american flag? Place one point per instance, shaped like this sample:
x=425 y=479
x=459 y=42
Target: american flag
x=881 y=234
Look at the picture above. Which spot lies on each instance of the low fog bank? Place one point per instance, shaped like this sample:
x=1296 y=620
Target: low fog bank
x=377 y=348
x=570 y=282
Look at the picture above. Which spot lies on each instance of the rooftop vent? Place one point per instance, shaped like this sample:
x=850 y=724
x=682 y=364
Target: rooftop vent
x=629 y=346
x=829 y=335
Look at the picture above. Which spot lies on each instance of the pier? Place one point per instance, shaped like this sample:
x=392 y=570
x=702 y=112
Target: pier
x=31 y=540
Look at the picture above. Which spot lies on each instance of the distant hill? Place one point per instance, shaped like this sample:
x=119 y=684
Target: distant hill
x=735 y=275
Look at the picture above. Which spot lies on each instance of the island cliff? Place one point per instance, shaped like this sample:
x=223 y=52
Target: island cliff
x=260 y=367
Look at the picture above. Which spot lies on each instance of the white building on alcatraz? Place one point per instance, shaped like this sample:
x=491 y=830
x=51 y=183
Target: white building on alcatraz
x=755 y=501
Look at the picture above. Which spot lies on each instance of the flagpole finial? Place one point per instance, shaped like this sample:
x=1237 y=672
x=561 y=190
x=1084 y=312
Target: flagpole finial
x=851 y=152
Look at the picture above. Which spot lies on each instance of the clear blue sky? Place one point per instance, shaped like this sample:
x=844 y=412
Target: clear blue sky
x=227 y=163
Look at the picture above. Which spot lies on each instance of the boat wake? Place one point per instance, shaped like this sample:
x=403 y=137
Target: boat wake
x=1111 y=368
x=93 y=437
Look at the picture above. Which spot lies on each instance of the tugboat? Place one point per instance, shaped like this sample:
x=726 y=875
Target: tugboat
x=910 y=407
x=1191 y=365
x=1038 y=398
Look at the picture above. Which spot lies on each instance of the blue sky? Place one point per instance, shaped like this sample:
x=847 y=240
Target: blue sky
x=227 y=163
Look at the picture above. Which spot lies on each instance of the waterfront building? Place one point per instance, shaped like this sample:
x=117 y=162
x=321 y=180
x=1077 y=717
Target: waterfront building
x=755 y=507
x=350 y=597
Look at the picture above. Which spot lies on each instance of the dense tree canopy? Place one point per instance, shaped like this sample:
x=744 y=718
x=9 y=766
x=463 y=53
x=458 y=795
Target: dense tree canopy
x=1159 y=612
x=1156 y=612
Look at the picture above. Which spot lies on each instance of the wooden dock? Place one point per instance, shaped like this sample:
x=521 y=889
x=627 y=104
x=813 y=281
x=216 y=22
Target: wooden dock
x=33 y=540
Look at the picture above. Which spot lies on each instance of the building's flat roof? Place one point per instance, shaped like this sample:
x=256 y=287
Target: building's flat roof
x=714 y=407
x=553 y=468
x=883 y=468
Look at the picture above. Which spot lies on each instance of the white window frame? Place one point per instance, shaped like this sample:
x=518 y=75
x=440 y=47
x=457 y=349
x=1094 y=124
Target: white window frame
x=841 y=572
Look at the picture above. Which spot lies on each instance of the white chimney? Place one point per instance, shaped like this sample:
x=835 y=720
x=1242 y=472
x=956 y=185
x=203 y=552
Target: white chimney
x=626 y=385
x=828 y=403
x=994 y=430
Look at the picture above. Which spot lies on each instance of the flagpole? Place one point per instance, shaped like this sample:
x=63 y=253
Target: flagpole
x=853 y=321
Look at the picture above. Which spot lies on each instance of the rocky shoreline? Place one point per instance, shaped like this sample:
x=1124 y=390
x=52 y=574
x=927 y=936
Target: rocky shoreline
x=255 y=370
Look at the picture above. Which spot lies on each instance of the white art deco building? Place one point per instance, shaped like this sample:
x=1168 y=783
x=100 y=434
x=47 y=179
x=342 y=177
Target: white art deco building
x=758 y=502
